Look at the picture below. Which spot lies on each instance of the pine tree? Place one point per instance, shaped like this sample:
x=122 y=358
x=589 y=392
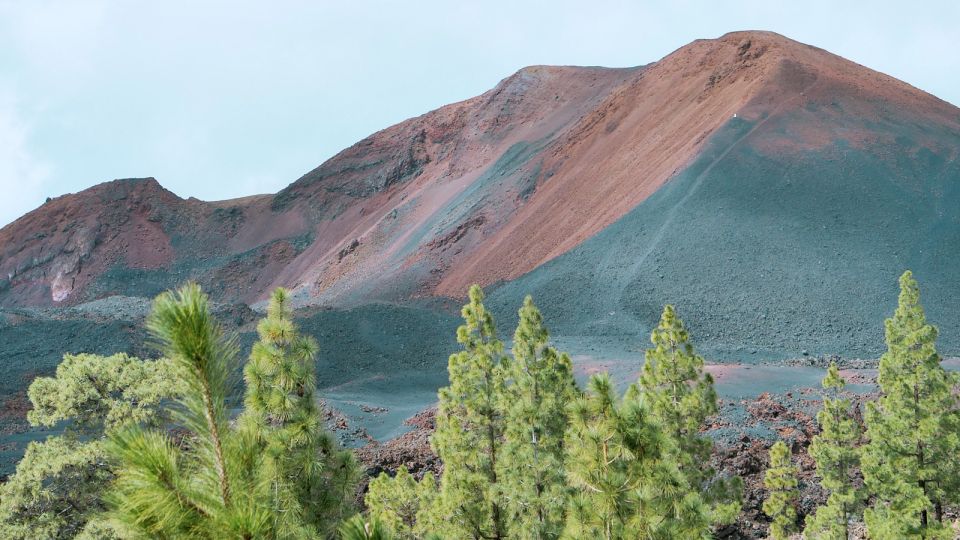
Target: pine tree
x=781 y=483
x=541 y=386
x=164 y=491
x=910 y=462
x=469 y=431
x=681 y=397
x=56 y=491
x=98 y=394
x=281 y=414
x=219 y=482
x=402 y=504
x=837 y=457
x=612 y=463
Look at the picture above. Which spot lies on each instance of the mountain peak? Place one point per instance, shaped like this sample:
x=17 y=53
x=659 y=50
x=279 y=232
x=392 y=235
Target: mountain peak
x=480 y=191
x=761 y=36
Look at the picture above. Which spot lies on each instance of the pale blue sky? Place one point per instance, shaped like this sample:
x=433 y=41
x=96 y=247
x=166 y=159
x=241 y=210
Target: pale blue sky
x=224 y=99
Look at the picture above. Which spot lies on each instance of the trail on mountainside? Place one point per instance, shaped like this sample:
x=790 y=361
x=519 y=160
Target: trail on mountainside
x=654 y=242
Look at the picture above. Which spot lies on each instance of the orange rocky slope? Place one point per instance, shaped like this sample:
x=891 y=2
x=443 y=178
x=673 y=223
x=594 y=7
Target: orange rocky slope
x=510 y=180
x=479 y=191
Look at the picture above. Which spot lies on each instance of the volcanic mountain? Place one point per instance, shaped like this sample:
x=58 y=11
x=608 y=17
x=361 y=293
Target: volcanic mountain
x=771 y=190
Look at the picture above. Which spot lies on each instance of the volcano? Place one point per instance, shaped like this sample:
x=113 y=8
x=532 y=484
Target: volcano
x=769 y=189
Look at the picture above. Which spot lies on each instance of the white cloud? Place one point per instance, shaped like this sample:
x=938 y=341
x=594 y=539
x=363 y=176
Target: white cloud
x=22 y=174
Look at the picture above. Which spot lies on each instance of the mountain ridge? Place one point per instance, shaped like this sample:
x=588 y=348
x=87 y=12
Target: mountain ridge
x=484 y=190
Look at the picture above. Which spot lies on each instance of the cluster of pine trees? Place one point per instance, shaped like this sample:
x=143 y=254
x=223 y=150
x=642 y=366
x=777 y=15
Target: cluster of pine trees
x=151 y=449
x=900 y=471
x=527 y=454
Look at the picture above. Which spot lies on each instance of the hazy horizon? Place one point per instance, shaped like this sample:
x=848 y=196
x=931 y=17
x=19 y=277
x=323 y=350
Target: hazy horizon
x=226 y=100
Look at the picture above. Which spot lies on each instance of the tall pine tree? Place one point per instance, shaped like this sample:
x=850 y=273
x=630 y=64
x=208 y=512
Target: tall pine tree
x=613 y=463
x=541 y=386
x=781 y=483
x=469 y=431
x=910 y=463
x=200 y=489
x=836 y=453
x=308 y=474
x=681 y=397
x=218 y=480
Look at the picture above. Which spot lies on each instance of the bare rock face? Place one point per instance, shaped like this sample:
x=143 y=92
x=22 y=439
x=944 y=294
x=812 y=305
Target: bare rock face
x=411 y=450
x=480 y=191
x=62 y=246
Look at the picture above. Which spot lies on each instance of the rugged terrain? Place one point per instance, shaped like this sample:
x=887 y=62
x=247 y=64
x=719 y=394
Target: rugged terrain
x=771 y=190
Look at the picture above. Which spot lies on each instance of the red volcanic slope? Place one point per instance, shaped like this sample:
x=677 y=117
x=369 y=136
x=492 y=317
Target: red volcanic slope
x=43 y=254
x=478 y=191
